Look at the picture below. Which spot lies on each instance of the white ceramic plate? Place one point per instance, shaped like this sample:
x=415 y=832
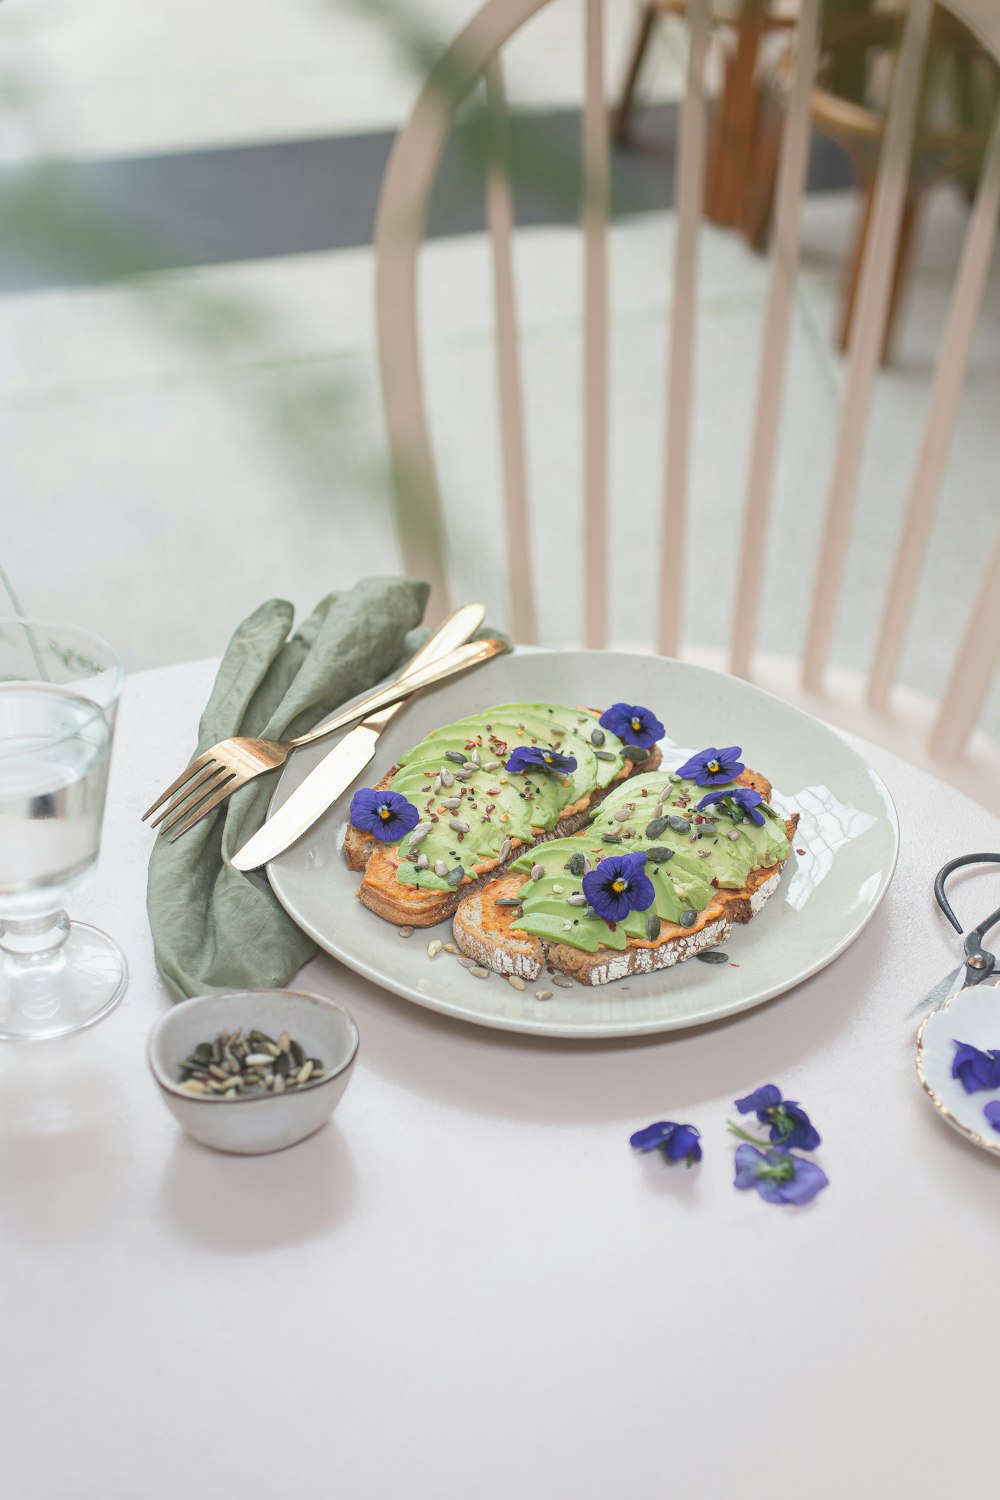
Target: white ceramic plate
x=971 y=1016
x=848 y=832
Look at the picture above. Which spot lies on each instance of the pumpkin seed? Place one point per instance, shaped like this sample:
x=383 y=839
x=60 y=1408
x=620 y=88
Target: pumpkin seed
x=678 y=824
x=652 y=925
x=688 y=918
x=635 y=752
x=713 y=956
x=454 y=877
x=576 y=864
x=507 y=901
x=605 y=755
x=659 y=853
x=597 y=737
x=656 y=828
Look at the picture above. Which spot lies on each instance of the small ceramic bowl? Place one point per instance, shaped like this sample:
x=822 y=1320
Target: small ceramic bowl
x=251 y=1126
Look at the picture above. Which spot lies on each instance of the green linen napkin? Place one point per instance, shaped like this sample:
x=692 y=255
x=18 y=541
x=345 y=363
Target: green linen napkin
x=213 y=927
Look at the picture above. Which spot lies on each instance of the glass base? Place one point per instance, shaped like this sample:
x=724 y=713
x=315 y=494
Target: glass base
x=64 y=991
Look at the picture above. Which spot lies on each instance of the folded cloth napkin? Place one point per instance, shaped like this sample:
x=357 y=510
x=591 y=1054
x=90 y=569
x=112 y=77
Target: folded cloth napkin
x=213 y=927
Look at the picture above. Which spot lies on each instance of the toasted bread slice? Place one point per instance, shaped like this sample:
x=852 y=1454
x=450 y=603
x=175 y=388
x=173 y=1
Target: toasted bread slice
x=414 y=906
x=487 y=932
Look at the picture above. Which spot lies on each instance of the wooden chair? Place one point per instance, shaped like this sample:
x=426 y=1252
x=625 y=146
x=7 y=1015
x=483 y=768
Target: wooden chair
x=941 y=735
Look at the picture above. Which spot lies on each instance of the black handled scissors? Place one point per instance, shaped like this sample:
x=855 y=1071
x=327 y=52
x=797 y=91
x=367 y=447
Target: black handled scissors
x=979 y=963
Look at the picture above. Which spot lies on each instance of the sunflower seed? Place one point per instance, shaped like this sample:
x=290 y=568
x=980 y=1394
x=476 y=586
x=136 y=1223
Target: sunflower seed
x=467 y=962
x=440 y=868
x=450 y=948
x=456 y=756
x=474 y=758
x=674 y=778
x=480 y=973
x=434 y=947
x=455 y=876
x=278 y=1086
x=652 y=926
x=452 y=803
x=505 y=849
x=660 y=853
x=605 y=755
x=419 y=834
x=436 y=784
x=577 y=899
x=515 y=981
x=458 y=825
x=563 y=981
x=192 y=1086
x=733 y=836
x=688 y=918
x=469 y=768
x=656 y=828
x=630 y=832
x=447 y=779
x=713 y=956
x=422 y=862
x=405 y=931
x=558 y=889
x=537 y=871
x=543 y=994
x=259 y=1060
x=576 y=864
x=492 y=765
x=678 y=824
x=635 y=752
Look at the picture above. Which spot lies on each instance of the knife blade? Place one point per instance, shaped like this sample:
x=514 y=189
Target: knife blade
x=345 y=761
x=313 y=796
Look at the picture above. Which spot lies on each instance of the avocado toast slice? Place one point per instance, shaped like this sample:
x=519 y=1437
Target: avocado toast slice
x=474 y=814
x=708 y=871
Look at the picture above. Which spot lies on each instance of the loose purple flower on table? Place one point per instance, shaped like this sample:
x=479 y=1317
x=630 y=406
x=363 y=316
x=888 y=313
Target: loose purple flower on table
x=790 y=1126
x=527 y=757
x=778 y=1176
x=619 y=885
x=713 y=767
x=992 y=1113
x=975 y=1070
x=633 y=724
x=386 y=815
x=677 y=1142
x=739 y=802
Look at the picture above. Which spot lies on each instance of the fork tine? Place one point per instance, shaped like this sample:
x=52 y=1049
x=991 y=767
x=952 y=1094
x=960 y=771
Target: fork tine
x=230 y=785
x=190 y=789
x=195 y=765
x=193 y=804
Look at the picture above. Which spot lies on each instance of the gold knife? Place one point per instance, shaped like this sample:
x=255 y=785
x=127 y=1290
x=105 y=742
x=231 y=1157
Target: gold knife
x=348 y=758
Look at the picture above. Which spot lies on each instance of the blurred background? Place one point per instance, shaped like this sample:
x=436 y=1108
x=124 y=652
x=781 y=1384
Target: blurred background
x=190 y=413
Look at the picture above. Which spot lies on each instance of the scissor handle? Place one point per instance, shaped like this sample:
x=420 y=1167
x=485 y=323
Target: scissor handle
x=979 y=963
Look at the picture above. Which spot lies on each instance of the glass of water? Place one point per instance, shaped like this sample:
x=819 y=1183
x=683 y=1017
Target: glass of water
x=59 y=690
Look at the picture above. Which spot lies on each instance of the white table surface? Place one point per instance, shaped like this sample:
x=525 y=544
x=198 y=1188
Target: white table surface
x=467 y=1285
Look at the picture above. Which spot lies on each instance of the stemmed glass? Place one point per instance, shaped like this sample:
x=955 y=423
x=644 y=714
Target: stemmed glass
x=59 y=689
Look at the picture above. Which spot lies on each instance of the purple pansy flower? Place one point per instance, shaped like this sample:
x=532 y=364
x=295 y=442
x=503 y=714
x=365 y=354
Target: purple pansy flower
x=633 y=724
x=526 y=757
x=713 y=767
x=992 y=1113
x=741 y=799
x=975 y=1070
x=791 y=1127
x=619 y=885
x=677 y=1142
x=386 y=815
x=778 y=1176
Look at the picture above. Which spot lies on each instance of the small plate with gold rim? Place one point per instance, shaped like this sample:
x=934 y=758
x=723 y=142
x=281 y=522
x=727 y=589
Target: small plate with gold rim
x=973 y=1016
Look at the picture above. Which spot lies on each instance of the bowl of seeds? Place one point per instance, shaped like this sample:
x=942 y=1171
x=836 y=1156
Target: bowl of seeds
x=252 y=1071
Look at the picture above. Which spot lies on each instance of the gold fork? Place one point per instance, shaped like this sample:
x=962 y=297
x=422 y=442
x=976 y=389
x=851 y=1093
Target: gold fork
x=230 y=764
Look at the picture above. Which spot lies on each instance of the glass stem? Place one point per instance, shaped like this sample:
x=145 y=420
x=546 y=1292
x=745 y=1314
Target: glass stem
x=34 y=940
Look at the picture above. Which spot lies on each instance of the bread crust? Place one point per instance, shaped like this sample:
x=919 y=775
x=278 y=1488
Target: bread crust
x=485 y=932
x=413 y=906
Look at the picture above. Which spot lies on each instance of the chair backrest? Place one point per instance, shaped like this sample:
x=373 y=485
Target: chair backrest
x=930 y=733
